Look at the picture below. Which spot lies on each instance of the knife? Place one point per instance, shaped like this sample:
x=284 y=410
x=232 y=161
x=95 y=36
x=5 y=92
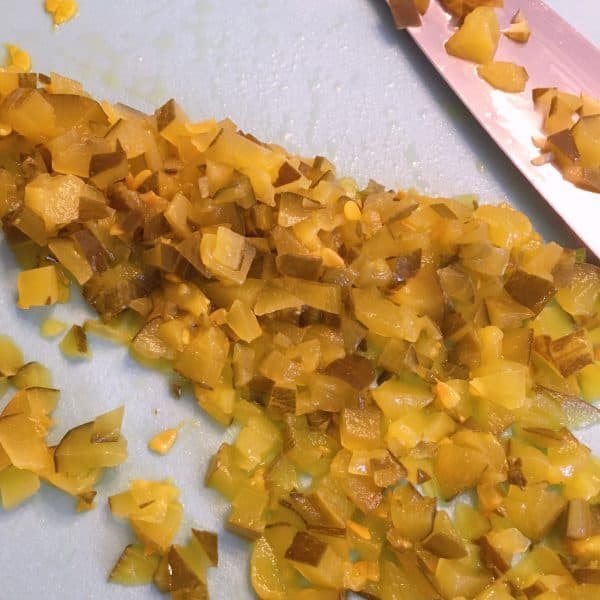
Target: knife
x=556 y=55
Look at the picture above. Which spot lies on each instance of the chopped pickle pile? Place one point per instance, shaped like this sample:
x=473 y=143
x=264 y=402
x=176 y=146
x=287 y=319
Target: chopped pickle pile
x=75 y=464
x=382 y=353
x=155 y=514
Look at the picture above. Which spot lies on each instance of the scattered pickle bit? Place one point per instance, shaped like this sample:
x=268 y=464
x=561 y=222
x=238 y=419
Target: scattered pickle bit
x=155 y=513
x=134 y=566
x=378 y=352
x=41 y=287
x=209 y=543
x=61 y=10
x=18 y=61
x=17 y=485
x=75 y=344
x=162 y=442
x=32 y=375
x=52 y=327
x=75 y=464
x=182 y=569
x=571 y=125
x=94 y=445
x=107 y=427
x=85 y=501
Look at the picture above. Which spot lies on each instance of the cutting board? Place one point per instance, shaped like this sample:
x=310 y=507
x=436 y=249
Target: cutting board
x=331 y=78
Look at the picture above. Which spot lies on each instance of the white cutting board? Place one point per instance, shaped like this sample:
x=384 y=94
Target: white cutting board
x=320 y=77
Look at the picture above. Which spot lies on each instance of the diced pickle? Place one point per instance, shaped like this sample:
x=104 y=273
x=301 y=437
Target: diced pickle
x=29 y=113
x=40 y=287
x=21 y=441
x=16 y=485
x=518 y=30
x=75 y=344
x=571 y=353
x=248 y=510
x=412 y=514
x=579 y=519
x=107 y=427
x=458 y=468
x=529 y=290
x=534 y=509
x=69 y=256
x=360 y=429
x=153 y=510
x=444 y=541
x=204 y=357
x=243 y=322
x=477 y=38
x=456 y=578
x=11 y=357
x=316 y=561
x=134 y=567
x=78 y=452
x=266 y=571
x=32 y=375
x=405 y=13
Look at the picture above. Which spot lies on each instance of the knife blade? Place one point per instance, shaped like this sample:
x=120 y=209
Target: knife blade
x=556 y=55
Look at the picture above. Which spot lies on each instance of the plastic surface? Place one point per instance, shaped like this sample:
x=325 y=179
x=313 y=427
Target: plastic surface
x=331 y=78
